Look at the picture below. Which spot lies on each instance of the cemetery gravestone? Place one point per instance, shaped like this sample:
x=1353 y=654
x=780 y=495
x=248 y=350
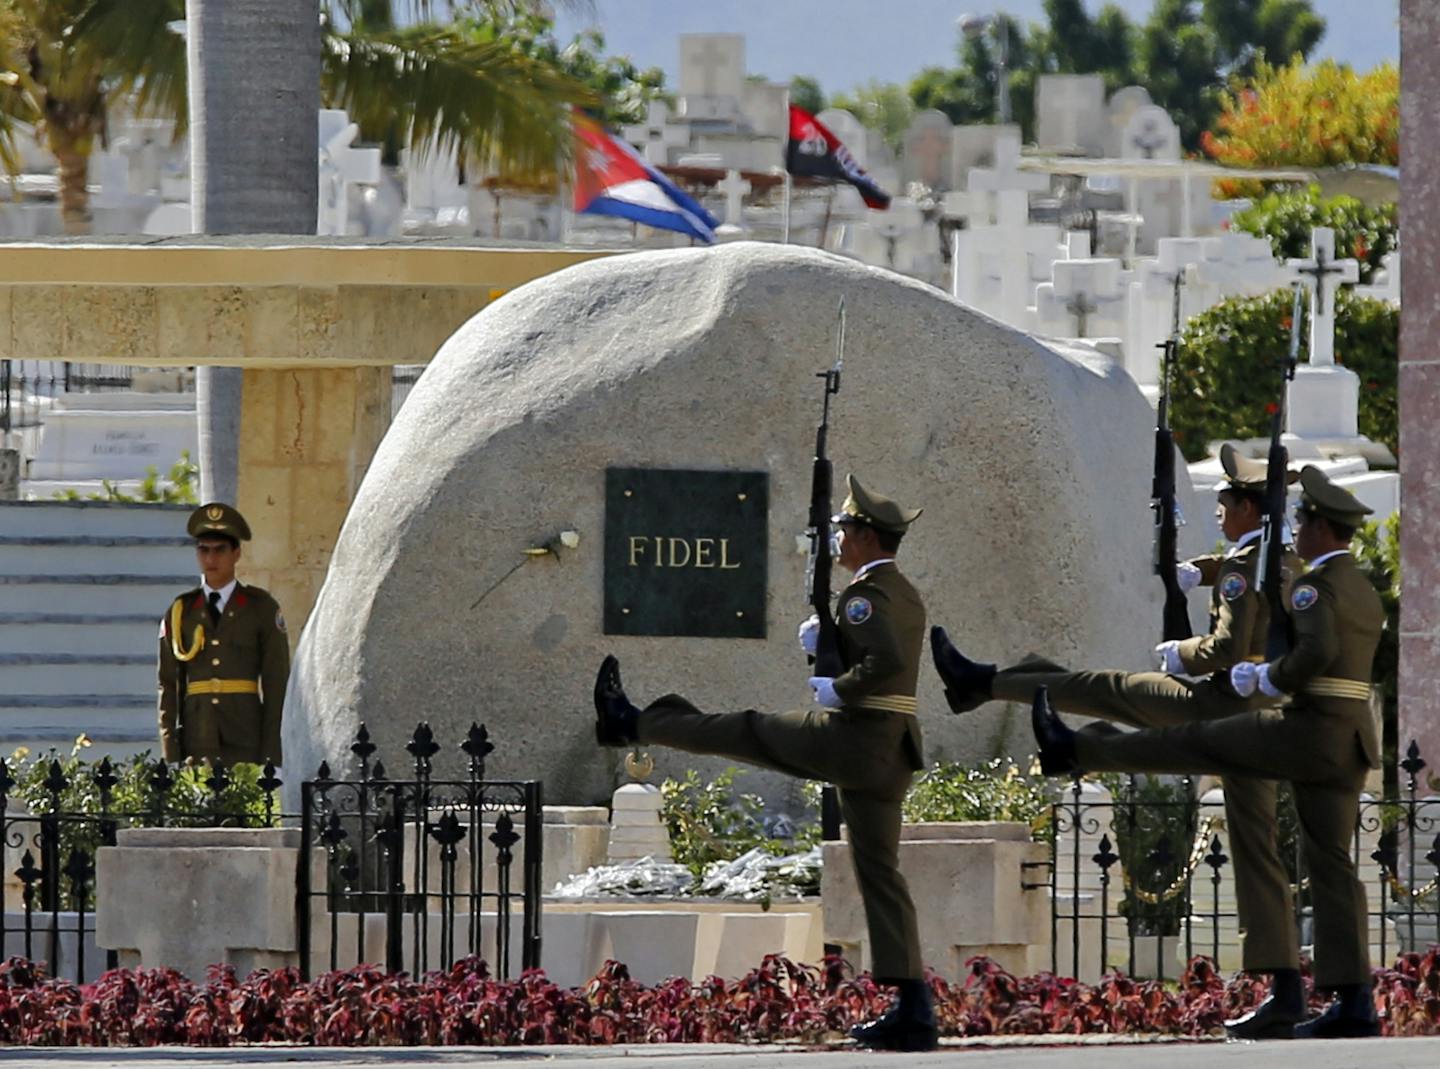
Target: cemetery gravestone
x=705 y=360
x=927 y=150
x=1070 y=111
x=712 y=75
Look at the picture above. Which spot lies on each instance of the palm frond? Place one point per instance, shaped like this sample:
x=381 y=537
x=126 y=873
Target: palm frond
x=486 y=100
x=141 y=54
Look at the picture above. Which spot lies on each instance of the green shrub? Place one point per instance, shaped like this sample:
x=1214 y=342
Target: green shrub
x=1152 y=815
x=710 y=822
x=177 y=488
x=1227 y=369
x=1286 y=220
x=997 y=790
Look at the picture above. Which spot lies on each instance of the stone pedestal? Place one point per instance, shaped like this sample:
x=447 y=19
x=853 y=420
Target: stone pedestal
x=188 y=898
x=636 y=830
x=307 y=439
x=9 y=474
x=1419 y=382
x=114 y=436
x=968 y=883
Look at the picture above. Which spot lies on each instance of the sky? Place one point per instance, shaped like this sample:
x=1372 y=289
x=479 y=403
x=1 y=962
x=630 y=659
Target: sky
x=845 y=43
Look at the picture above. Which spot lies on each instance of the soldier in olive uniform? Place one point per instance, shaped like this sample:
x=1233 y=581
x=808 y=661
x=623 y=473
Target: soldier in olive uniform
x=864 y=737
x=224 y=655
x=1322 y=739
x=1239 y=619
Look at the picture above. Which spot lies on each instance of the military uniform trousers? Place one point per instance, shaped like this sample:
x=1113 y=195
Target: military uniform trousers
x=1316 y=748
x=1263 y=898
x=865 y=754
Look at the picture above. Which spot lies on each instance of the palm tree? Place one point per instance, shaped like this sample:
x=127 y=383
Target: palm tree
x=392 y=63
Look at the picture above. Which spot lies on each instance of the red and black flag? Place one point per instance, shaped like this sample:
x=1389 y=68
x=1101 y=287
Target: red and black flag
x=814 y=151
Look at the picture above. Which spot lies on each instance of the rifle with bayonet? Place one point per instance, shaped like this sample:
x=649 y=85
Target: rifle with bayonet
x=1176 y=618
x=1269 y=578
x=826 y=659
x=821 y=561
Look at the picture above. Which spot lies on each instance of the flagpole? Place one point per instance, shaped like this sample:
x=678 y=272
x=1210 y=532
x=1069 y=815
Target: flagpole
x=785 y=236
x=825 y=226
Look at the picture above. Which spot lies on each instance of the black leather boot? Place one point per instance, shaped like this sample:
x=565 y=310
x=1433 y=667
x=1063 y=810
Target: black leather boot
x=614 y=713
x=1056 y=742
x=1277 y=1016
x=1350 y=1016
x=908 y=1025
x=967 y=682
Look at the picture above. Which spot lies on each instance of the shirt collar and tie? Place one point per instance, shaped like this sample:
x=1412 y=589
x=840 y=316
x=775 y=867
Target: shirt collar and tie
x=223 y=593
x=1250 y=536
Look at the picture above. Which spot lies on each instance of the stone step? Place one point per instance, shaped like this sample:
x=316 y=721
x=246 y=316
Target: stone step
x=120 y=595
x=41 y=632
x=88 y=554
x=40 y=518
x=77 y=673
x=117 y=725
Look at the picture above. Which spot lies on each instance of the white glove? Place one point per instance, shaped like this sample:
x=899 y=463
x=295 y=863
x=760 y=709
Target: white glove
x=1244 y=677
x=1187 y=575
x=1168 y=653
x=1262 y=676
x=809 y=635
x=824 y=688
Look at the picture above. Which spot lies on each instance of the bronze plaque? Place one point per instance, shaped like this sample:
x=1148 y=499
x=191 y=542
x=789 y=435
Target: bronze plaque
x=685 y=552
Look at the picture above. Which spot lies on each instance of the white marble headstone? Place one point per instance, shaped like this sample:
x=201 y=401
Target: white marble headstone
x=1070 y=113
x=927 y=150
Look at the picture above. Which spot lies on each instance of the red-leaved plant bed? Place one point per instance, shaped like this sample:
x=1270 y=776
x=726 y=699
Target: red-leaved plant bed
x=779 y=1000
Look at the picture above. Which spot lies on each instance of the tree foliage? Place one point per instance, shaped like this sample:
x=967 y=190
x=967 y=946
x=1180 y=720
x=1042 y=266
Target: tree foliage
x=882 y=106
x=1227 y=368
x=805 y=92
x=478 y=76
x=1287 y=219
x=1185 y=53
x=1309 y=116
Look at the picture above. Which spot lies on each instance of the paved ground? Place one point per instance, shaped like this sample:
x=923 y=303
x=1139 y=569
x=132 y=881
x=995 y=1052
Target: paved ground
x=1024 y=1054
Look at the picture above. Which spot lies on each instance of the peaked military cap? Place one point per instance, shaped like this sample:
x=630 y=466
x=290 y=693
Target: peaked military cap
x=863 y=506
x=219 y=519
x=1320 y=497
x=1248 y=473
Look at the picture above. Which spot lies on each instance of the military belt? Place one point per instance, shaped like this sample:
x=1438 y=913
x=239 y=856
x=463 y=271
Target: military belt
x=889 y=703
x=1256 y=658
x=1333 y=687
x=222 y=686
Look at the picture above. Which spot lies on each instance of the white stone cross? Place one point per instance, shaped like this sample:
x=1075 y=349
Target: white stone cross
x=997 y=265
x=1385 y=285
x=1005 y=173
x=656 y=136
x=1323 y=275
x=341 y=166
x=717 y=59
x=1086 y=298
x=734 y=187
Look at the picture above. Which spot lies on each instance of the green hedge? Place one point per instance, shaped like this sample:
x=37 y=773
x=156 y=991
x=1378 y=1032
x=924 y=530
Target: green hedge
x=1227 y=371
x=1286 y=220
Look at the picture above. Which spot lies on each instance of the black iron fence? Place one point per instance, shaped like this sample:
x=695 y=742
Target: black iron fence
x=1140 y=877
x=406 y=861
x=410 y=851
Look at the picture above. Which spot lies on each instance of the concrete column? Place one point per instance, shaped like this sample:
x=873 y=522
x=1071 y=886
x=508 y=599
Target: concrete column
x=1419 y=385
x=306 y=438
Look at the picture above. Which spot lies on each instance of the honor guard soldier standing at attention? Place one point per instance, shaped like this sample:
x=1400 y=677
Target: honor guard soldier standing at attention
x=224 y=655
x=863 y=736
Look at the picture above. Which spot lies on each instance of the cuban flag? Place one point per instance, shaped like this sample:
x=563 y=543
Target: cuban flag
x=611 y=178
